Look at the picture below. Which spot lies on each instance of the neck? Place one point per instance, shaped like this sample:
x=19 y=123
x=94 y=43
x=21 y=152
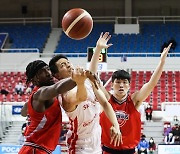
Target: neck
x=120 y=99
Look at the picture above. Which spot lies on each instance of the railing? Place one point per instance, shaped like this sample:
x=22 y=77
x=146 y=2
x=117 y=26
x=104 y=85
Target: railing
x=112 y=54
x=21 y=50
x=163 y=19
x=99 y=19
x=5 y=118
x=136 y=20
x=25 y=20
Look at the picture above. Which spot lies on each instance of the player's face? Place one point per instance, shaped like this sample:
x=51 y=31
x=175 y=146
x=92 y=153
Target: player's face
x=64 y=67
x=120 y=87
x=44 y=77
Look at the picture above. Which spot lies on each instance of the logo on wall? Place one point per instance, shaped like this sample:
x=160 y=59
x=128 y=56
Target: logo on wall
x=9 y=149
x=16 y=109
x=14 y=149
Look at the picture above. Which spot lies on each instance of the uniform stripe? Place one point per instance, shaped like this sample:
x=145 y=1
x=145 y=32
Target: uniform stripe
x=74 y=137
x=37 y=146
x=39 y=127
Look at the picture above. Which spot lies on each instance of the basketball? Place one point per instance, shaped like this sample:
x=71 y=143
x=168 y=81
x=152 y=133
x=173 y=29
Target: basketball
x=77 y=23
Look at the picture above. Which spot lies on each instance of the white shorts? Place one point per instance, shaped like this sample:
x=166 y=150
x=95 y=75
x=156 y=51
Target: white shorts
x=90 y=144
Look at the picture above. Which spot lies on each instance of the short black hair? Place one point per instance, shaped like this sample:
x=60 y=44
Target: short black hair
x=143 y=136
x=52 y=63
x=32 y=68
x=121 y=74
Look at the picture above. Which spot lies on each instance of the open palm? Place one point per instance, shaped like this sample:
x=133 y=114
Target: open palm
x=103 y=39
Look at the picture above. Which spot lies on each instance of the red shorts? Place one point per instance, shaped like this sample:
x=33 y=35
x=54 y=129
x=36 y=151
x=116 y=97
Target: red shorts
x=31 y=150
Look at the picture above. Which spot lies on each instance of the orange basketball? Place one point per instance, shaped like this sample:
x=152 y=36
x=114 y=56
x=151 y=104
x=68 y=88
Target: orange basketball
x=77 y=23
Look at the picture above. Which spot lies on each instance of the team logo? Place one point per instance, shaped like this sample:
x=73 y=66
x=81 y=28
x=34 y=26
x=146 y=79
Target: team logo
x=122 y=117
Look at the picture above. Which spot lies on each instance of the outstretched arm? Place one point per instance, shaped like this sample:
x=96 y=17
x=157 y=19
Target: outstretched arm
x=115 y=133
x=49 y=92
x=102 y=42
x=147 y=88
x=114 y=130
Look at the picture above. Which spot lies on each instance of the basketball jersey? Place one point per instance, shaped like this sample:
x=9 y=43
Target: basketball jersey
x=129 y=121
x=44 y=127
x=84 y=136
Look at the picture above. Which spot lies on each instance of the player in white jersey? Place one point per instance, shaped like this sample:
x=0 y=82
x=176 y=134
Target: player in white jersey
x=85 y=131
x=84 y=136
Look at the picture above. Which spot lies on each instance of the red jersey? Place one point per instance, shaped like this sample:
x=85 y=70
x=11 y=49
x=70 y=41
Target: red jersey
x=129 y=120
x=148 y=110
x=44 y=127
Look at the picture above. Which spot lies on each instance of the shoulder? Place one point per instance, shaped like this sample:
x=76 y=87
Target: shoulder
x=69 y=94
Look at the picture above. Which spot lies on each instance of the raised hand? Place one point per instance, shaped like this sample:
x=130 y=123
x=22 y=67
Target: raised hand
x=116 y=136
x=165 y=52
x=79 y=75
x=103 y=39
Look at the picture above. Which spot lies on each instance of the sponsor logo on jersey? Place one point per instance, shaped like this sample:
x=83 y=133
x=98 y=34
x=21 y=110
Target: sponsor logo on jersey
x=122 y=117
x=89 y=122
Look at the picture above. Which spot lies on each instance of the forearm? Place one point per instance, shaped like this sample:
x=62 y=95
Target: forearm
x=66 y=85
x=157 y=74
x=107 y=108
x=111 y=114
x=81 y=94
x=95 y=59
x=49 y=92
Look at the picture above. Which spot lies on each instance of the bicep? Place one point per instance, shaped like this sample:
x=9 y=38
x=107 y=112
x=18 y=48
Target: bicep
x=142 y=94
x=45 y=93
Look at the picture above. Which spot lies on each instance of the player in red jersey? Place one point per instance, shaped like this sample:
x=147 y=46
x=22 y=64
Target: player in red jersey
x=44 y=112
x=126 y=106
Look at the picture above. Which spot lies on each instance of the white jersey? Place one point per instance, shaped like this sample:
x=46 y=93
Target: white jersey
x=84 y=136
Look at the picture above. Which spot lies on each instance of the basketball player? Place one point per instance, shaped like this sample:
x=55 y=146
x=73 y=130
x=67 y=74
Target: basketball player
x=84 y=136
x=125 y=106
x=44 y=112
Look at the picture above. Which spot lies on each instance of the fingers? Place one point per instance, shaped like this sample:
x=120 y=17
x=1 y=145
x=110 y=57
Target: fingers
x=110 y=45
x=168 y=48
x=165 y=52
x=92 y=78
x=116 y=137
x=79 y=70
x=106 y=36
x=101 y=35
x=121 y=140
x=78 y=75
